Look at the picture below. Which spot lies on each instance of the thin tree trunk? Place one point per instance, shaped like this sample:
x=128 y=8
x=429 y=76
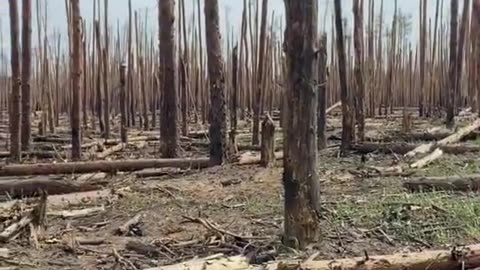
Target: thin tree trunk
x=76 y=74
x=300 y=178
x=218 y=121
x=26 y=130
x=123 y=111
x=14 y=108
x=106 y=91
x=322 y=94
x=346 y=97
x=168 y=116
x=234 y=97
x=358 y=43
x=453 y=64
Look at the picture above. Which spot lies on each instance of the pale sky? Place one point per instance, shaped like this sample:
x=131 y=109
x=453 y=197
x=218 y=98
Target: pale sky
x=231 y=9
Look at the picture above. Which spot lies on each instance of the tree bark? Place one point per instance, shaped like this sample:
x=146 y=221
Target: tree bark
x=98 y=85
x=234 y=99
x=106 y=91
x=100 y=166
x=218 y=121
x=14 y=108
x=322 y=94
x=76 y=74
x=450 y=121
x=18 y=189
x=123 y=111
x=168 y=116
x=359 y=63
x=347 y=106
x=26 y=130
x=300 y=178
x=267 y=154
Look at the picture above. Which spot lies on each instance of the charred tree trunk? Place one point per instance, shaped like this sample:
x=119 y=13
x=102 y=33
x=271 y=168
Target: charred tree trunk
x=76 y=74
x=234 y=98
x=346 y=97
x=359 y=83
x=123 y=108
x=106 y=91
x=260 y=74
x=460 y=50
x=476 y=18
x=322 y=94
x=453 y=64
x=168 y=116
x=98 y=85
x=300 y=178
x=218 y=121
x=14 y=108
x=26 y=130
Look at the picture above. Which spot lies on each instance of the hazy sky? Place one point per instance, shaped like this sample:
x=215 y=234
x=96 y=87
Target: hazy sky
x=231 y=9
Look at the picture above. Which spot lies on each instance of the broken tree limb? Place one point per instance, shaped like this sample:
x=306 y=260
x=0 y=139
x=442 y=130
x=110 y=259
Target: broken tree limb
x=437 y=153
x=214 y=262
x=77 y=213
x=101 y=166
x=125 y=228
x=110 y=151
x=450 y=183
x=456 y=137
x=333 y=107
x=30 y=187
x=248 y=159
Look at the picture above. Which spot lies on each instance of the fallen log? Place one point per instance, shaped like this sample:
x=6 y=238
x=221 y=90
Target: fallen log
x=463 y=258
x=437 y=153
x=333 y=107
x=403 y=148
x=36 y=154
x=126 y=227
x=101 y=166
x=255 y=159
x=17 y=189
x=449 y=183
x=457 y=136
x=50 y=139
x=110 y=151
x=77 y=213
x=421 y=136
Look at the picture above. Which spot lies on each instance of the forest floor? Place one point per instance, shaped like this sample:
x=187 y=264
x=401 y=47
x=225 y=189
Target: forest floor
x=361 y=215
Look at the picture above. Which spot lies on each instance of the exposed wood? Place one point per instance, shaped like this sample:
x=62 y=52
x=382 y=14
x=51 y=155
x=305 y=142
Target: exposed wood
x=333 y=107
x=110 y=151
x=124 y=229
x=77 y=213
x=436 y=154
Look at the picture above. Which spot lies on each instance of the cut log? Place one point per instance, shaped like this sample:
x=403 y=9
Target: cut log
x=248 y=159
x=100 y=166
x=77 y=213
x=267 y=153
x=437 y=153
x=125 y=228
x=403 y=148
x=50 y=139
x=36 y=154
x=90 y=177
x=333 y=107
x=450 y=183
x=421 y=136
x=110 y=151
x=456 y=137
x=214 y=262
x=17 y=189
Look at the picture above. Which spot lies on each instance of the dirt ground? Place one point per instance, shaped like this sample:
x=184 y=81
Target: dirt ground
x=373 y=215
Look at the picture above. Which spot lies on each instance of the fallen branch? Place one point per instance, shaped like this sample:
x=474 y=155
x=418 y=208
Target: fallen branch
x=436 y=154
x=117 y=148
x=127 y=226
x=256 y=159
x=449 y=183
x=214 y=262
x=221 y=232
x=333 y=107
x=100 y=166
x=77 y=213
x=403 y=148
x=30 y=188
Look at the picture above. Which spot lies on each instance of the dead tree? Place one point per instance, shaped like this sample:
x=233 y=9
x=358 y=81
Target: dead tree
x=123 y=111
x=106 y=91
x=14 y=108
x=460 y=49
x=359 y=83
x=260 y=74
x=168 y=116
x=346 y=97
x=453 y=64
x=423 y=45
x=300 y=178
x=234 y=97
x=476 y=18
x=26 y=73
x=216 y=74
x=322 y=94
x=76 y=74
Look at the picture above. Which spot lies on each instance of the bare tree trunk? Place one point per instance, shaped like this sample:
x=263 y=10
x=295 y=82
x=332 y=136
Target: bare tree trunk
x=476 y=18
x=460 y=50
x=26 y=130
x=14 y=107
x=322 y=94
x=234 y=97
x=453 y=64
x=358 y=43
x=123 y=111
x=168 y=116
x=76 y=74
x=300 y=178
x=106 y=91
x=260 y=74
x=98 y=85
x=346 y=97
x=216 y=73
x=423 y=45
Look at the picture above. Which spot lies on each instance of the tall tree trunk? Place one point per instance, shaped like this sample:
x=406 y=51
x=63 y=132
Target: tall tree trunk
x=14 y=108
x=106 y=91
x=76 y=74
x=123 y=108
x=234 y=98
x=218 y=121
x=460 y=51
x=168 y=115
x=98 y=84
x=476 y=18
x=453 y=64
x=26 y=130
x=322 y=94
x=346 y=97
x=300 y=178
x=358 y=43
x=423 y=49
x=260 y=74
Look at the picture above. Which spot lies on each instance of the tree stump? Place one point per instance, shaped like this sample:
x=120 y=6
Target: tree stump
x=268 y=141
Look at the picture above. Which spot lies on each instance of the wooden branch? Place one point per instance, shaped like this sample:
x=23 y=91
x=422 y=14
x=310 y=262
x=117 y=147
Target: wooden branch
x=256 y=159
x=77 y=213
x=214 y=262
x=436 y=154
x=100 y=166
x=125 y=228
x=110 y=151
x=333 y=107
x=450 y=183
x=403 y=148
